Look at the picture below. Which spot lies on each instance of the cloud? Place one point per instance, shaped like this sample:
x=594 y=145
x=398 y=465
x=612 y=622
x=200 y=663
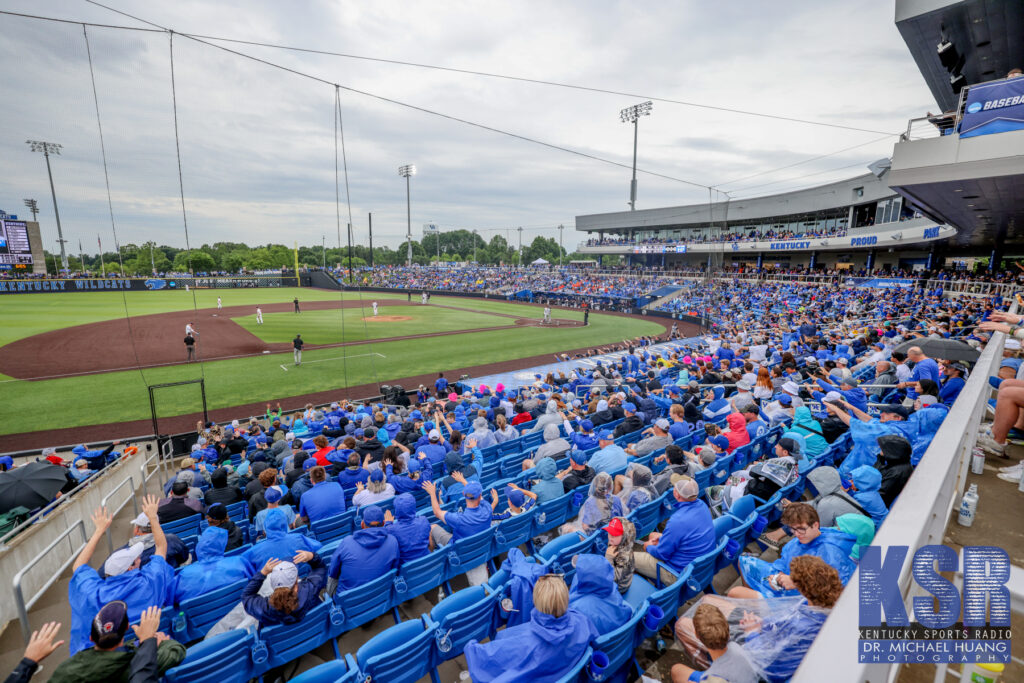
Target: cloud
x=257 y=143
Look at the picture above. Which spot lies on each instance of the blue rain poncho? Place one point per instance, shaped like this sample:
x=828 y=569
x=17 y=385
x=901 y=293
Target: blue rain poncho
x=832 y=545
x=412 y=531
x=920 y=429
x=865 y=443
x=138 y=588
x=595 y=594
x=548 y=486
x=867 y=480
x=212 y=571
x=805 y=425
x=543 y=649
x=779 y=645
x=279 y=544
x=523 y=574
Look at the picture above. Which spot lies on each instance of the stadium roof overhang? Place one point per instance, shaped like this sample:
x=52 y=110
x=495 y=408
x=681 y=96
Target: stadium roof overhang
x=985 y=34
x=973 y=184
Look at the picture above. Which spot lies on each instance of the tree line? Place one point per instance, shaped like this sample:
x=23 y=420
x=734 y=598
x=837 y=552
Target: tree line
x=233 y=257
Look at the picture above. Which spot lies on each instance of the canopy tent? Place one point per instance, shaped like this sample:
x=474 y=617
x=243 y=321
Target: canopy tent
x=541 y=262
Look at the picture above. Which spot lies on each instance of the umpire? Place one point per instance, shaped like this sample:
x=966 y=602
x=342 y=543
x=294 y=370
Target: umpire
x=190 y=347
x=297 y=348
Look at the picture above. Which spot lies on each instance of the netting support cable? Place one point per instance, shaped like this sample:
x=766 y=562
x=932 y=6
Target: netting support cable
x=337 y=213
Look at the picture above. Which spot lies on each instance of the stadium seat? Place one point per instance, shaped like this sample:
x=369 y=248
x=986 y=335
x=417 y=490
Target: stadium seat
x=468 y=553
x=647 y=516
x=619 y=645
x=532 y=440
x=337 y=671
x=703 y=572
x=285 y=642
x=552 y=513
x=205 y=661
x=203 y=611
x=559 y=553
x=668 y=598
x=333 y=528
x=361 y=604
x=721 y=470
x=417 y=576
x=465 y=615
x=400 y=654
x=513 y=532
x=189 y=526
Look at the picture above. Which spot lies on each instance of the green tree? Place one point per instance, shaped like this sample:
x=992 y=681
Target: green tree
x=195 y=261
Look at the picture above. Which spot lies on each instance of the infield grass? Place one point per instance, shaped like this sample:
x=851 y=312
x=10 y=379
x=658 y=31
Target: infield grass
x=122 y=396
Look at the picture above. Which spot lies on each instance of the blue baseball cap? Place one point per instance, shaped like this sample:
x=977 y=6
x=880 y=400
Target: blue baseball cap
x=720 y=441
x=373 y=515
x=629 y=407
x=377 y=475
x=516 y=497
x=273 y=494
x=416 y=415
x=579 y=457
x=587 y=426
x=308 y=464
x=415 y=465
x=473 y=490
x=606 y=435
x=786 y=399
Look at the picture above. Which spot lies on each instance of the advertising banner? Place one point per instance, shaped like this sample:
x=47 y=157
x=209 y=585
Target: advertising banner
x=994 y=108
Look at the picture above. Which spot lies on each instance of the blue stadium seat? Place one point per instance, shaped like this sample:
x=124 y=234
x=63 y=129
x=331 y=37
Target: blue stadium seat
x=703 y=479
x=552 y=513
x=417 y=576
x=721 y=470
x=465 y=615
x=558 y=554
x=618 y=646
x=183 y=527
x=508 y=448
x=668 y=598
x=238 y=511
x=703 y=572
x=532 y=440
x=646 y=517
x=205 y=661
x=361 y=604
x=333 y=528
x=337 y=671
x=285 y=642
x=203 y=611
x=513 y=532
x=400 y=654
x=469 y=552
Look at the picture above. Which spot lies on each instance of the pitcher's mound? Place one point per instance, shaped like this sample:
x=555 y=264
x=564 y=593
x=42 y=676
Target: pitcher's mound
x=387 y=318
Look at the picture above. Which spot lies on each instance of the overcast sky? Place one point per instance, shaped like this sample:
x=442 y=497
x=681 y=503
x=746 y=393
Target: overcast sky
x=257 y=143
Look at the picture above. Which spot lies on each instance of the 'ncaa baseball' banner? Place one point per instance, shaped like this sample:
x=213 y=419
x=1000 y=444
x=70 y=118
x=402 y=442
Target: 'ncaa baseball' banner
x=994 y=108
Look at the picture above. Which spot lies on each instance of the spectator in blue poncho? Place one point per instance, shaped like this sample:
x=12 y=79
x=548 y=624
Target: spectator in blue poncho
x=543 y=649
x=412 y=531
x=594 y=593
x=278 y=544
x=865 y=489
x=865 y=431
x=212 y=570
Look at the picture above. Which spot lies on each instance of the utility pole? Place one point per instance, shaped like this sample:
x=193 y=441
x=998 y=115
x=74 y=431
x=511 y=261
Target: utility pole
x=46 y=148
x=632 y=115
x=349 y=252
x=323 y=248
x=103 y=266
x=152 y=261
x=81 y=257
x=560 y=248
x=520 y=246
x=371 y=239
x=406 y=172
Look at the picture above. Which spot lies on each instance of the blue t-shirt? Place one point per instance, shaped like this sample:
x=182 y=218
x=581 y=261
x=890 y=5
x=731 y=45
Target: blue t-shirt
x=678 y=430
x=470 y=521
x=324 y=500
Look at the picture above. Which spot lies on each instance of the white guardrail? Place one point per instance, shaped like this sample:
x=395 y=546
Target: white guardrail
x=918 y=517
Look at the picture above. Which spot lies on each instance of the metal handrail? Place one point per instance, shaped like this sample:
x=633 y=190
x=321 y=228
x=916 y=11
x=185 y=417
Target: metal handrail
x=23 y=606
x=135 y=503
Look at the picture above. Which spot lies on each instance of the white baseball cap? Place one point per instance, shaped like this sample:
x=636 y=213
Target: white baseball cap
x=284 y=575
x=142 y=520
x=119 y=562
x=791 y=388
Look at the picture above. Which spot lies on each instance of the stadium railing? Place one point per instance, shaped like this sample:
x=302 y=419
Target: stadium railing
x=36 y=553
x=918 y=517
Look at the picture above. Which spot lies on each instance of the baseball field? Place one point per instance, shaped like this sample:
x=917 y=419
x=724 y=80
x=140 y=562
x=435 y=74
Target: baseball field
x=86 y=360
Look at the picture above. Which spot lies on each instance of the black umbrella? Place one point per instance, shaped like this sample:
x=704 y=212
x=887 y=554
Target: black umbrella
x=949 y=349
x=33 y=485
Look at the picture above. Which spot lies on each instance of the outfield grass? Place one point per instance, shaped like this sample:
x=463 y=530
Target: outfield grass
x=358 y=324
x=122 y=396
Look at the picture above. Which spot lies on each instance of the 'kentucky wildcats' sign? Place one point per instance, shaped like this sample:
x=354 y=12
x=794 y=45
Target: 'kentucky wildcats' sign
x=950 y=626
x=994 y=108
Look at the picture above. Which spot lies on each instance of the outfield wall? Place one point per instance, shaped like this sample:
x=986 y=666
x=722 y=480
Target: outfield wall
x=66 y=285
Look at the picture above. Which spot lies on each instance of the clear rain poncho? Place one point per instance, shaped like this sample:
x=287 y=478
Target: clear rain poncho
x=600 y=505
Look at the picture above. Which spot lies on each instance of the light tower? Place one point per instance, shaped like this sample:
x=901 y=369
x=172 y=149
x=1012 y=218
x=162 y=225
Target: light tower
x=407 y=172
x=632 y=115
x=47 y=148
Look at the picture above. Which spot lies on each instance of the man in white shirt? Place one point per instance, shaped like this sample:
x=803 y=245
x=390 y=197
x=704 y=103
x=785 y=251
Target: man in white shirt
x=189 y=329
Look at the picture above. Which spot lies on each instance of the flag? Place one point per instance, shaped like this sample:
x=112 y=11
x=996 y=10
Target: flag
x=99 y=244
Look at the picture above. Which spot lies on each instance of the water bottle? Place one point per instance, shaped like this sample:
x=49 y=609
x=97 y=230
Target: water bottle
x=968 y=506
x=978 y=461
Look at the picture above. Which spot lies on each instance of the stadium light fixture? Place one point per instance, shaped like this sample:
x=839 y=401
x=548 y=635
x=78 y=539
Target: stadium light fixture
x=33 y=206
x=48 y=148
x=632 y=115
x=407 y=171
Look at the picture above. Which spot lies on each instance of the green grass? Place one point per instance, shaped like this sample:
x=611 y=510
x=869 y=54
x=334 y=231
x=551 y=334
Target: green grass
x=122 y=396
x=335 y=326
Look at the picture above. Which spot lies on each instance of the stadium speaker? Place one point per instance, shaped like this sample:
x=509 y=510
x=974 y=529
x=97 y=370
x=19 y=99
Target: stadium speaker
x=948 y=54
x=957 y=82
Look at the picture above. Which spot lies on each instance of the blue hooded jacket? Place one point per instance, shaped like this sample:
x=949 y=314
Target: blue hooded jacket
x=865 y=443
x=548 y=487
x=412 y=531
x=138 y=588
x=364 y=556
x=867 y=480
x=832 y=545
x=718 y=407
x=212 y=571
x=543 y=649
x=279 y=544
x=595 y=594
x=920 y=429
x=688 y=534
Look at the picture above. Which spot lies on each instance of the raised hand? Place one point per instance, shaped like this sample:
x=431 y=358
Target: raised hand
x=148 y=625
x=41 y=645
x=102 y=519
x=302 y=556
x=269 y=566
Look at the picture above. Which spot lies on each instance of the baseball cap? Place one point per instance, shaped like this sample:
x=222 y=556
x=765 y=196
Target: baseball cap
x=218 y=512
x=833 y=397
x=284 y=575
x=141 y=520
x=720 y=441
x=434 y=435
x=614 y=527
x=786 y=400
x=119 y=562
x=109 y=625
x=629 y=407
x=587 y=426
x=579 y=457
x=850 y=381
x=416 y=415
x=606 y=435
x=895 y=409
x=377 y=475
x=473 y=490
x=308 y=464
x=275 y=493
x=516 y=497
x=662 y=423
x=686 y=487
x=415 y=465
x=373 y=515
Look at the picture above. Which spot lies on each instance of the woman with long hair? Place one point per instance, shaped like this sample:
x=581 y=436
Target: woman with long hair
x=763 y=389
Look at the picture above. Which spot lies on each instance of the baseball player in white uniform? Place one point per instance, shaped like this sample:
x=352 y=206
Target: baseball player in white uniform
x=374 y=309
x=219 y=304
x=191 y=330
x=259 y=316
x=547 y=315
x=423 y=298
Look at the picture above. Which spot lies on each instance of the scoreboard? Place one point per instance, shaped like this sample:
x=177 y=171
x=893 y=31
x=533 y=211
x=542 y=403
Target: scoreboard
x=15 y=250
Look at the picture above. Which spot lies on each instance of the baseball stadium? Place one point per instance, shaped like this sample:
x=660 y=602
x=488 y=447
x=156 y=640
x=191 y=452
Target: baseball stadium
x=272 y=411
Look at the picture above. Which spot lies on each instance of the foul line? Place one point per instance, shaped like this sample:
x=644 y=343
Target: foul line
x=322 y=360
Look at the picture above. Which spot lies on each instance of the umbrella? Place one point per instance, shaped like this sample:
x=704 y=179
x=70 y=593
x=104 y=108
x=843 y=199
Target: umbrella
x=949 y=349
x=33 y=485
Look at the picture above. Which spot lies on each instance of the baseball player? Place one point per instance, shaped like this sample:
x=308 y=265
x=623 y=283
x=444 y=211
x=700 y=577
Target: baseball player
x=672 y=333
x=219 y=304
x=547 y=315
x=190 y=330
x=259 y=316
x=374 y=309
x=423 y=298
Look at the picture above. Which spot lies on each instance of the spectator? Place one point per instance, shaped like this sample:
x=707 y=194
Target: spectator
x=211 y=570
x=621 y=537
x=688 y=534
x=580 y=473
x=594 y=594
x=547 y=486
x=138 y=587
x=353 y=473
x=412 y=531
x=676 y=465
x=291 y=597
x=377 y=489
x=217 y=517
x=220 y=492
x=503 y=430
x=40 y=646
x=554 y=445
x=279 y=543
x=544 y=649
x=610 y=458
x=365 y=555
x=474 y=519
x=866 y=481
x=179 y=505
x=600 y=506
x=894 y=464
x=728 y=660
x=273 y=495
x=631 y=423
x=658 y=440
x=325 y=499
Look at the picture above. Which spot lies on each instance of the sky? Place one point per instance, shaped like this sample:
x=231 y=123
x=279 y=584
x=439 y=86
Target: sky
x=257 y=142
